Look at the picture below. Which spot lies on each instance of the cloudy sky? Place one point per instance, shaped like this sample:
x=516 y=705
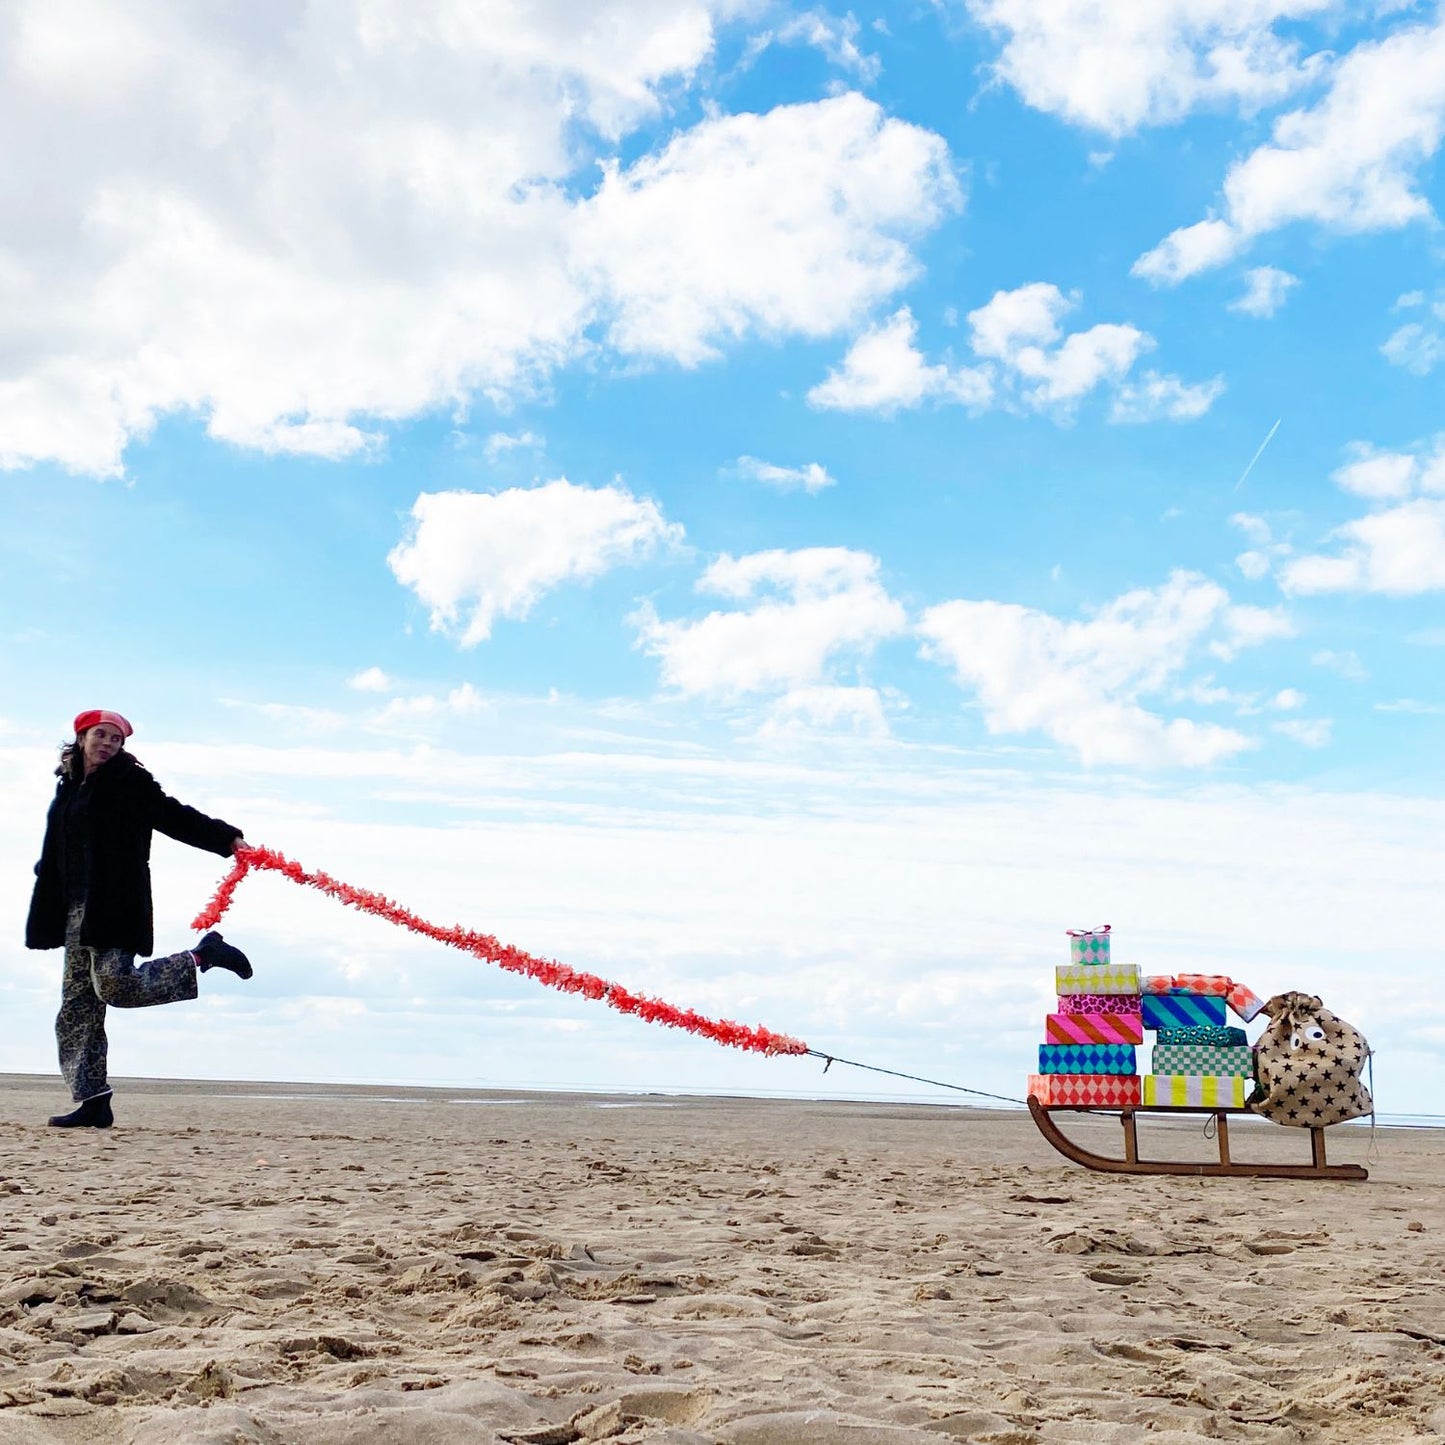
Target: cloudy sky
x=789 y=508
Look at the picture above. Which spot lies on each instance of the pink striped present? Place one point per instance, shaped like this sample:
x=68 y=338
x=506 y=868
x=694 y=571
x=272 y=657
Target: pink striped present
x=1099 y=1028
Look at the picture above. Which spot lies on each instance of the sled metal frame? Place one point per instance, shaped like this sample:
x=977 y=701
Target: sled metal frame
x=1131 y=1163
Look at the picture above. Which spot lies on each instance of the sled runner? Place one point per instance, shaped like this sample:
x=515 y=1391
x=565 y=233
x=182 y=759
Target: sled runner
x=1131 y=1163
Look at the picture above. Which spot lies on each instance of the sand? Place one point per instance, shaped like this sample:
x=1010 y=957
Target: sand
x=271 y=1263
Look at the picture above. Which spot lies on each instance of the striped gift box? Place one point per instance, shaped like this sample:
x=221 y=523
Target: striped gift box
x=1096 y=978
x=1107 y=1091
x=1067 y=1028
x=1206 y=1091
x=1180 y=1010
x=1203 y=1059
x=1222 y=1036
x=1239 y=998
x=1087 y=1059
x=1100 y=1003
x=1089 y=945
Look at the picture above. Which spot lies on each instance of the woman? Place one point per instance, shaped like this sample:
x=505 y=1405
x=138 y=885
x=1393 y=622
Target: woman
x=93 y=895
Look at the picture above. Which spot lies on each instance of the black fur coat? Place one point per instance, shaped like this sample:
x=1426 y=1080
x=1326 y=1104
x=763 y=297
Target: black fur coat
x=116 y=809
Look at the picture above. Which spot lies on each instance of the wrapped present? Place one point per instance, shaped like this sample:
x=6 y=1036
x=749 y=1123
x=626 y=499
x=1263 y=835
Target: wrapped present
x=1108 y=1091
x=1089 y=945
x=1215 y=985
x=1223 y=1036
x=1096 y=978
x=1239 y=998
x=1179 y=1010
x=1100 y=1003
x=1099 y=1028
x=1087 y=1059
x=1204 y=1059
x=1200 y=1091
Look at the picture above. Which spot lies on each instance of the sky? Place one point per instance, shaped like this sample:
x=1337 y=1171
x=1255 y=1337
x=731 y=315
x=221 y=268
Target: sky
x=788 y=508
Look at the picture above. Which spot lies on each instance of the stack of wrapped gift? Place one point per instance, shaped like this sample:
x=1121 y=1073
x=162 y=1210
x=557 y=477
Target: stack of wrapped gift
x=1199 y=1061
x=1088 y=1053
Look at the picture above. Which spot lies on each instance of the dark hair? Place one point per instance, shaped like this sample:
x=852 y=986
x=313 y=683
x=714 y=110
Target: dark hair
x=72 y=760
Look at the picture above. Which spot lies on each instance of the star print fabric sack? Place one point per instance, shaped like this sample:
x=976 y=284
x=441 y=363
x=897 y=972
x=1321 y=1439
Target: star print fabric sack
x=1307 y=1065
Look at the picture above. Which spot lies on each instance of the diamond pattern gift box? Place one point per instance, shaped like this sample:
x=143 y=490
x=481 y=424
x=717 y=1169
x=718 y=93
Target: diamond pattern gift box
x=1089 y=945
x=1180 y=1010
x=1099 y=1028
x=1221 y=1035
x=1203 y=1059
x=1100 y=1003
x=1087 y=1059
x=1096 y=978
x=1108 y=1091
x=1200 y=1091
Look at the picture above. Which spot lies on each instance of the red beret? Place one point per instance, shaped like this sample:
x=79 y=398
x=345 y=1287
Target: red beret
x=100 y=715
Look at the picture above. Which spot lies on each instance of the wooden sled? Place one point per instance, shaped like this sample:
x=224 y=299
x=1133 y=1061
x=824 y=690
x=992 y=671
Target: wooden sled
x=1131 y=1163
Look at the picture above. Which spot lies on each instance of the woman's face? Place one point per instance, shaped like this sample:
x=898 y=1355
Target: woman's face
x=100 y=744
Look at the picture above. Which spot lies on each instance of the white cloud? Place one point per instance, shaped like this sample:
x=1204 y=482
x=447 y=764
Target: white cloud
x=831 y=709
x=1351 y=162
x=1268 y=287
x=1081 y=683
x=793 y=222
x=1261 y=558
x=500 y=443
x=460 y=702
x=884 y=370
x=1117 y=67
x=1417 y=346
x=811 y=477
x=306 y=226
x=1310 y=732
x=1025 y=360
x=1397 y=550
x=1199 y=247
x=472 y=557
x=1346 y=663
x=1246 y=626
x=1154 y=397
x=371 y=679
x=834 y=35
x=1376 y=474
x=808 y=607
x=1287 y=699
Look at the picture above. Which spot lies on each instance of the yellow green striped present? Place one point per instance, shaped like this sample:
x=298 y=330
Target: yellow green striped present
x=1197 y=1091
x=1106 y=978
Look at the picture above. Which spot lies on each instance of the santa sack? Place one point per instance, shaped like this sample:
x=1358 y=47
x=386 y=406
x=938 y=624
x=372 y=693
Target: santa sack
x=1307 y=1065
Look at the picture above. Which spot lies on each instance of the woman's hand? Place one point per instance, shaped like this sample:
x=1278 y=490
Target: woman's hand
x=238 y=846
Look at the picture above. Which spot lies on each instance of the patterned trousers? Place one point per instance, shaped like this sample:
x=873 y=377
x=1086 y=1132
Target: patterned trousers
x=94 y=978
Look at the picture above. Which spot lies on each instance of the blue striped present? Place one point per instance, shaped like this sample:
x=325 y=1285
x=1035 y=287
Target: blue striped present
x=1087 y=1059
x=1180 y=1010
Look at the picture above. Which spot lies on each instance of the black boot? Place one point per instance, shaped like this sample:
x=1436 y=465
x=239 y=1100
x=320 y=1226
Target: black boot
x=214 y=952
x=92 y=1114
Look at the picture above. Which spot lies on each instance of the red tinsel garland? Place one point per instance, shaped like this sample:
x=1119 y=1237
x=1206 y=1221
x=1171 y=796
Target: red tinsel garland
x=489 y=950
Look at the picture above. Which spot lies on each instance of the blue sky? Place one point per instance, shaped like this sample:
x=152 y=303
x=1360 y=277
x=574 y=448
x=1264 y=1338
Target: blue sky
x=762 y=502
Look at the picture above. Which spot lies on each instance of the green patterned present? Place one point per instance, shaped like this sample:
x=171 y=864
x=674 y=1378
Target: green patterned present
x=1220 y=1035
x=1203 y=1059
x=1088 y=945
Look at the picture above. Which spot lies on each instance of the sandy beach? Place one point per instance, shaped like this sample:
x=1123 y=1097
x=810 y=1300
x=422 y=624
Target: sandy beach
x=282 y=1263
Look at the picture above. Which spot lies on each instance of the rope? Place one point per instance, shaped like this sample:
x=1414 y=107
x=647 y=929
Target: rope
x=832 y=1059
x=542 y=970
x=489 y=950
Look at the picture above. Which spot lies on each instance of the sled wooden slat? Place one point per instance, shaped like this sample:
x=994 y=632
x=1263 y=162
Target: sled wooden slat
x=1131 y=1163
